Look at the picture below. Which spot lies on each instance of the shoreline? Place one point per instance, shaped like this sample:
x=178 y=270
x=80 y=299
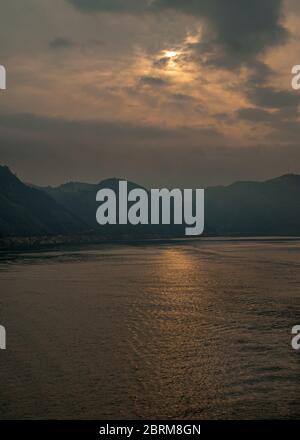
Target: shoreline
x=37 y=243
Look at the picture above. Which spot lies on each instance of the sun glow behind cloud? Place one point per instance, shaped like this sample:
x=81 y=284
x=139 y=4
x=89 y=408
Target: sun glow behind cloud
x=170 y=53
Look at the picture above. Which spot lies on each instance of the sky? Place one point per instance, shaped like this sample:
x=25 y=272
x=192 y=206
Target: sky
x=181 y=93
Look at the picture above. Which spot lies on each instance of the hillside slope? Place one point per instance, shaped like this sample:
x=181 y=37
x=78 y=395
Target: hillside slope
x=28 y=211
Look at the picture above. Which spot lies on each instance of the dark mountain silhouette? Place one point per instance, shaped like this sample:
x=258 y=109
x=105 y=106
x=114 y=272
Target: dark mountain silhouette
x=241 y=209
x=255 y=208
x=80 y=198
x=27 y=211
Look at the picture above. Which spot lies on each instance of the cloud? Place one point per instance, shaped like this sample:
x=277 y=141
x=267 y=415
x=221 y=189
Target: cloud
x=236 y=31
x=53 y=162
x=268 y=97
x=260 y=74
x=111 y=5
x=282 y=123
x=55 y=150
x=153 y=81
x=255 y=115
x=43 y=126
x=104 y=133
x=242 y=28
x=60 y=43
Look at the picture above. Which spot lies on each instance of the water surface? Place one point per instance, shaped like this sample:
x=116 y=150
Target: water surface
x=198 y=329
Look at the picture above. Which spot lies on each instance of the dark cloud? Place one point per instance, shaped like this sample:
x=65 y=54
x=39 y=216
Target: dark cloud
x=61 y=43
x=185 y=103
x=260 y=74
x=242 y=28
x=46 y=163
x=161 y=63
x=268 y=97
x=111 y=5
x=252 y=114
x=102 y=133
x=183 y=98
x=27 y=123
x=236 y=30
x=52 y=150
x=153 y=81
x=282 y=123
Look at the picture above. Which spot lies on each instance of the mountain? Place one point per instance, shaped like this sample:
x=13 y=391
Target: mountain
x=80 y=199
x=255 y=208
x=26 y=211
x=241 y=209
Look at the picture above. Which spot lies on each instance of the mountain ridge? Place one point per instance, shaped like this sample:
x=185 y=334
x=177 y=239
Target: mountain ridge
x=244 y=208
x=25 y=210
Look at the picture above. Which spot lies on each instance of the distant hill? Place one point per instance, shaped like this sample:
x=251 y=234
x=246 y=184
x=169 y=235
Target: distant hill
x=80 y=198
x=26 y=211
x=255 y=208
x=241 y=209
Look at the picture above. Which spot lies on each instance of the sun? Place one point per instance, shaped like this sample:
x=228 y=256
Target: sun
x=170 y=53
